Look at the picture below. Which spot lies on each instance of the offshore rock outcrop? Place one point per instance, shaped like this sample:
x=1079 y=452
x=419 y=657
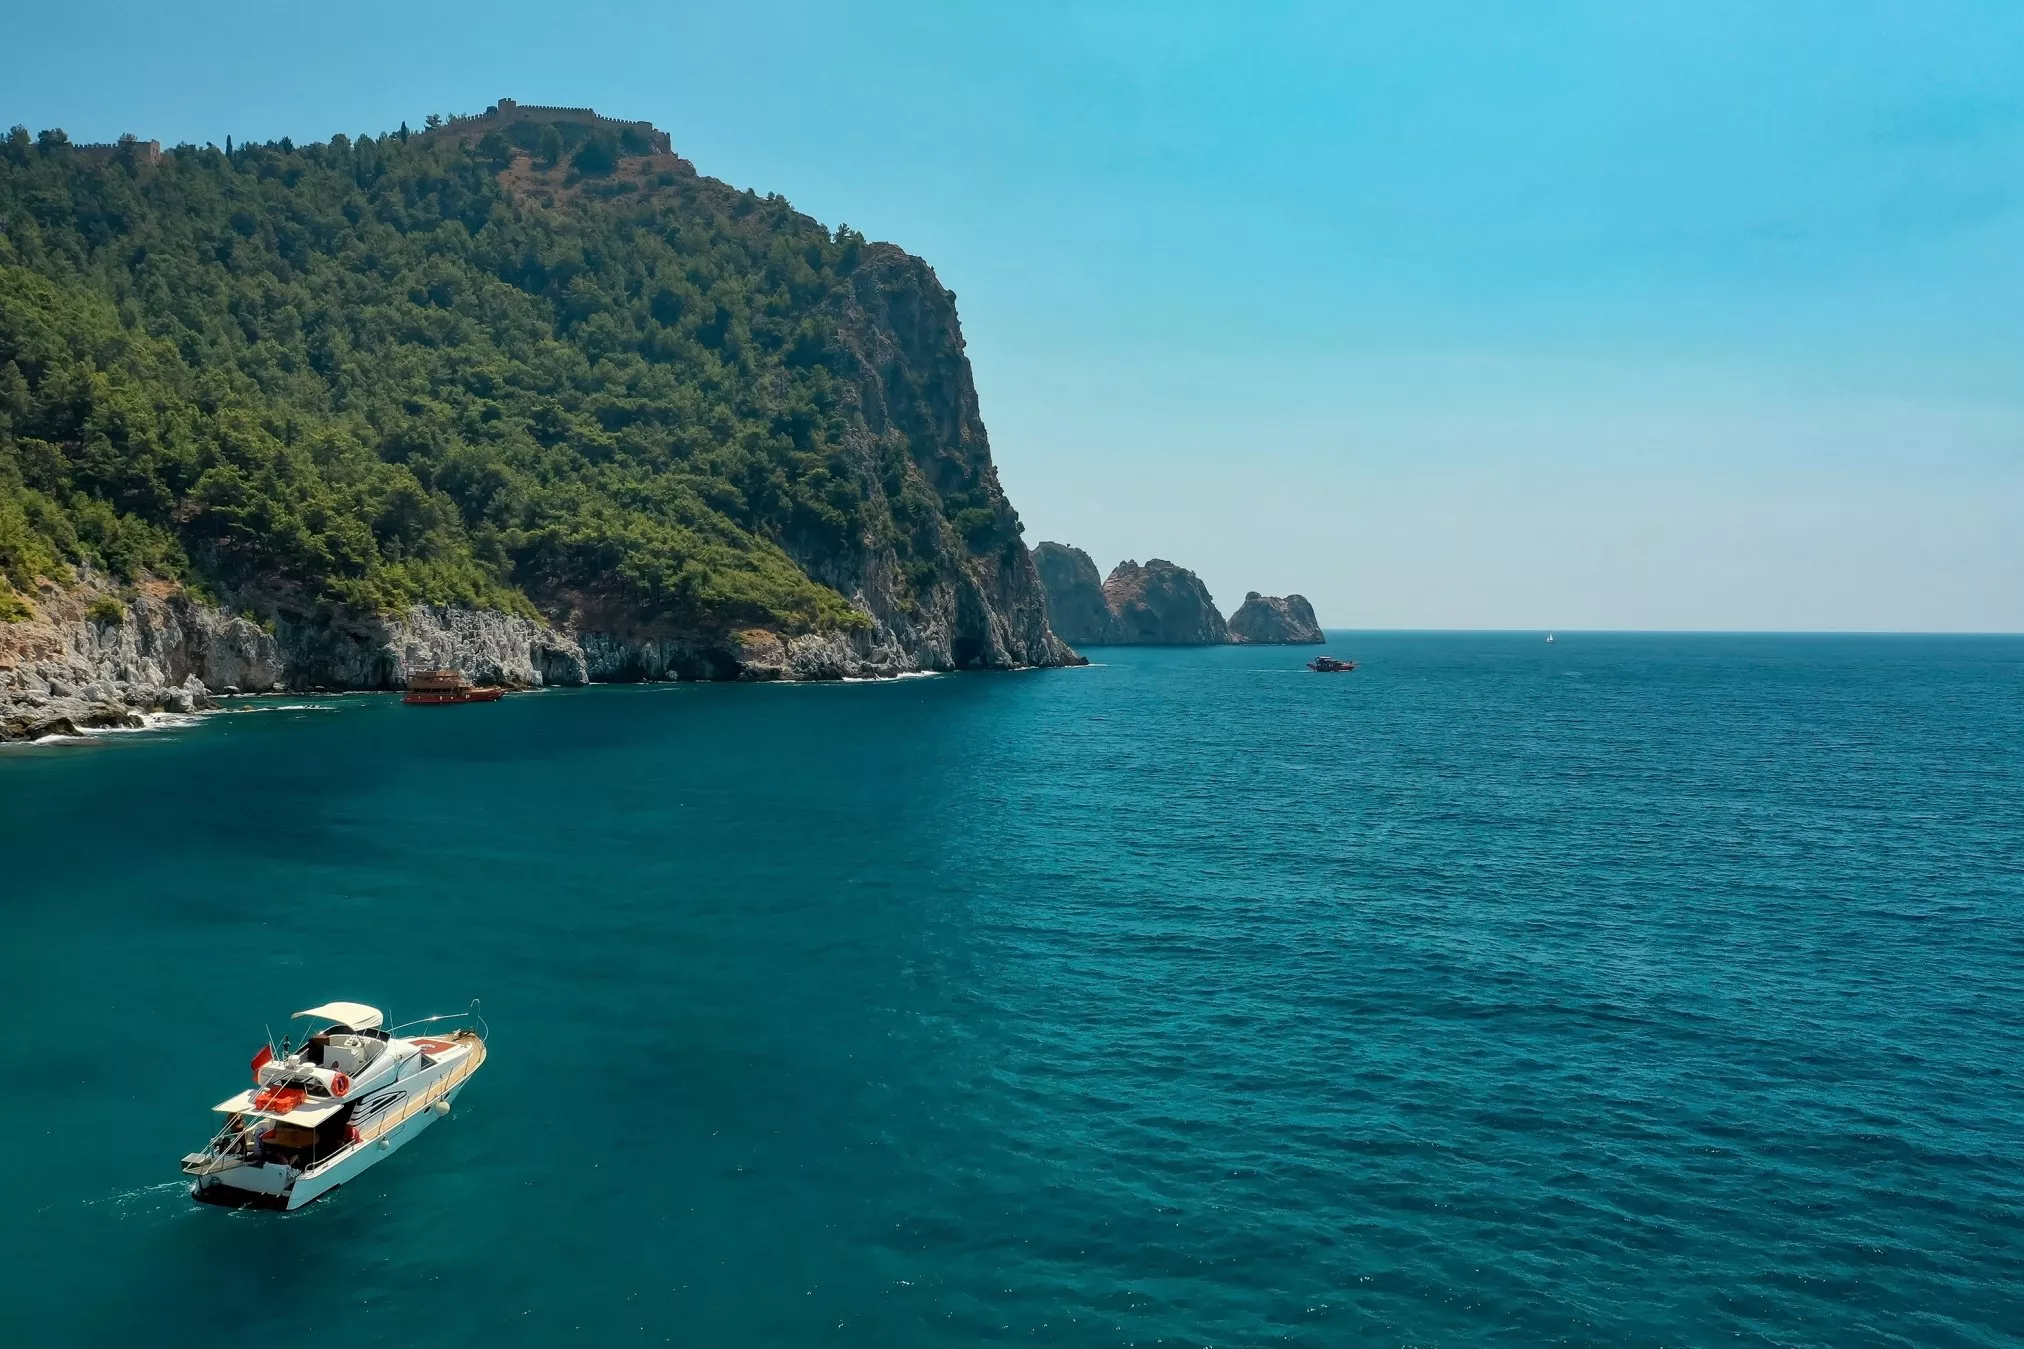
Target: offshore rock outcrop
x=1076 y=607
x=1163 y=604
x=1159 y=603
x=1272 y=619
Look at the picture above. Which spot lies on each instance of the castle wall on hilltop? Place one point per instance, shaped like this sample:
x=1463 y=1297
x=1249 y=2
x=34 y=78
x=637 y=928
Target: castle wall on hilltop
x=506 y=113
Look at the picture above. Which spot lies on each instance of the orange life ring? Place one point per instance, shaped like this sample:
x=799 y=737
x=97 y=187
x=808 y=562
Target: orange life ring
x=339 y=1085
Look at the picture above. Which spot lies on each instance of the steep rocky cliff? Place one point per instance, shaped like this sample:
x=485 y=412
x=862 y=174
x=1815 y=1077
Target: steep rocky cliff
x=1272 y=619
x=1076 y=607
x=1161 y=603
x=941 y=569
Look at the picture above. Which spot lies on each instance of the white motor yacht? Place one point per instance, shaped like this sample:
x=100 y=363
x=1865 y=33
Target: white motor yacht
x=317 y=1116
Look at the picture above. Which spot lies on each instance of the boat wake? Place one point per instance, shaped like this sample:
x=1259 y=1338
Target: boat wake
x=143 y=1197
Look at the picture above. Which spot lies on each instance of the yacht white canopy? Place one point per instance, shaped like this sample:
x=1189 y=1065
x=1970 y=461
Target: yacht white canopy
x=350 y=1015
x=311 y=1112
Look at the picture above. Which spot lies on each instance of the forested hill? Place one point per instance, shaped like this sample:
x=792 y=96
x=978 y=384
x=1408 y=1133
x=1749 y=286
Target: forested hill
x=539 y=368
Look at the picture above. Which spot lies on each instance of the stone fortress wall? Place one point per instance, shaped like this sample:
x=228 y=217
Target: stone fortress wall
x=146 y=152
x=506 y=112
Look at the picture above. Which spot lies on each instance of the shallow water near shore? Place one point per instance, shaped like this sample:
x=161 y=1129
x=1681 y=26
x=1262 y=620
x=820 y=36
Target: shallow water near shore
x=1635 y=990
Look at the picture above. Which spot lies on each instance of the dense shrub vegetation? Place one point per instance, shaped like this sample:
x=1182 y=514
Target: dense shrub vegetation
x=370 y=373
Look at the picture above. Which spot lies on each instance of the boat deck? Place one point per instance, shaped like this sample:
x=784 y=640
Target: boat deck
x=441 y=1087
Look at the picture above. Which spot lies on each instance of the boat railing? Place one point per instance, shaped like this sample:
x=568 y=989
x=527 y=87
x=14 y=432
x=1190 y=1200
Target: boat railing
x=470 y=1015
x=436 y=1091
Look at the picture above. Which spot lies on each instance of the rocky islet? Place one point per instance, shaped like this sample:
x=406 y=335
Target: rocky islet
x=1275 y=620
x=1077 y=608
x=1159 y=603
x=1162 y=604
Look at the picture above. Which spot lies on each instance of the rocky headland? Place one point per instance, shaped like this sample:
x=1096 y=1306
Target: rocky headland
x=1275 y=620
x=766 y=461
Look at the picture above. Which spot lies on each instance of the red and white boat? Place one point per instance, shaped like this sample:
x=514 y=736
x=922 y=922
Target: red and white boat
x=429 y=687
x=318 y=1116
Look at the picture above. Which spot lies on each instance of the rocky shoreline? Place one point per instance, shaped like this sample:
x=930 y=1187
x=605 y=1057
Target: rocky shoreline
x=91 y=660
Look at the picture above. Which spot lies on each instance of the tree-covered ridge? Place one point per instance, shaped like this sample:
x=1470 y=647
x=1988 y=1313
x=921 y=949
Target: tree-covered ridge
x=384 y=372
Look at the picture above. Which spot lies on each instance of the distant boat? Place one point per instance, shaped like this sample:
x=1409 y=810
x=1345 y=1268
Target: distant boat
x=448 y=686
x=1549 y=639
x=1330 y=665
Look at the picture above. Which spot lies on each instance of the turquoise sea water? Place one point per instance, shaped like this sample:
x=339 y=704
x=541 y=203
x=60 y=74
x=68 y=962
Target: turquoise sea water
x=1637 y=990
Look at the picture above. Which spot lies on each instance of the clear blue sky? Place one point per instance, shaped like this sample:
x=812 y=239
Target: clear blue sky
x=1660 y=315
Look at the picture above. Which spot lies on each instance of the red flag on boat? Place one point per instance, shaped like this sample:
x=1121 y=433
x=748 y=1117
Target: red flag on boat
x=261 y=1060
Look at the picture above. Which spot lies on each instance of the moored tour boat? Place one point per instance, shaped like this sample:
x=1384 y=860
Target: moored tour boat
x=449 y=686
x=318 y=1116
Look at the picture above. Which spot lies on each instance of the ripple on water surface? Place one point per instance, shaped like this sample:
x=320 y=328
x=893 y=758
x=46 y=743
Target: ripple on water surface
x=1633 y=990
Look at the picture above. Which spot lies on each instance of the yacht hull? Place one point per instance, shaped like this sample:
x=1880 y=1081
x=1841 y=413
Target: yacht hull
x=386 y=1116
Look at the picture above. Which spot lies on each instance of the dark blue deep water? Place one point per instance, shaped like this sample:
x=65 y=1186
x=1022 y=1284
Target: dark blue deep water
x=1637 y=990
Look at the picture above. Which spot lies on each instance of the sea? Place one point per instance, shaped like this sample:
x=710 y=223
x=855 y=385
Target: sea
x=1630 y=990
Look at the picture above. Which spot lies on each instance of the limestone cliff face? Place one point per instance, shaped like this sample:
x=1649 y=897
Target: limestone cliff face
x=942 y=574
x=1271 y=619
x=73 y=667
x=64 y=671
x=342 y=650
x=1163 y=604
x=1076 y=607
